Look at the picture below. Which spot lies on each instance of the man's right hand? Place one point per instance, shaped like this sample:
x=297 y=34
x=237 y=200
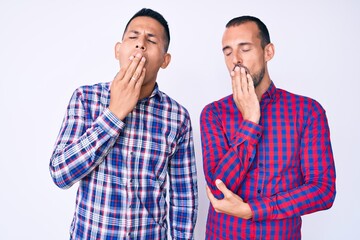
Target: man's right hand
x=126 y=87
x=231 y=204
x=244 y=95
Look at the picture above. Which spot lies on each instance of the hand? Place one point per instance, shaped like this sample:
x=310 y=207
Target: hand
x=244 y=94
x=125 y=89
x=231 y=204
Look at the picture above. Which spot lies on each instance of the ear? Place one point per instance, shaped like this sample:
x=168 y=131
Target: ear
x=167 y=59
x=117 y=50
x=269 y=52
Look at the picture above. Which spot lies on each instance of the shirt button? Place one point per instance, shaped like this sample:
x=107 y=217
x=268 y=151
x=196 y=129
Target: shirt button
x=258 y=135
x=250 y=159
x=260 y=164
x=259 y=191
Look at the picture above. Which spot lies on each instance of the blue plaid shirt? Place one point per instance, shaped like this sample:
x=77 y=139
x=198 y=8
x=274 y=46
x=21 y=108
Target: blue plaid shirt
x=122 y=167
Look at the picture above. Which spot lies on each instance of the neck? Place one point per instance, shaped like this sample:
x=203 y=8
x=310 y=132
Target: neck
x=263 y=86
x=146 y=90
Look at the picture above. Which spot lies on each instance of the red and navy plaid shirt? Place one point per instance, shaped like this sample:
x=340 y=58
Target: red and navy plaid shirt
x=282 y=167
x=122 y=167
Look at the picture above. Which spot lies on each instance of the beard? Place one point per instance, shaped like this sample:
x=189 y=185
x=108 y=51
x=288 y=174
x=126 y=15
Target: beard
x=258 y=77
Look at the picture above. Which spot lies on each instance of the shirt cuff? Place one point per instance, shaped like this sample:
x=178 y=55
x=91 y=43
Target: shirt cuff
x=110 y=123
x=261 y=208
x=249 y=131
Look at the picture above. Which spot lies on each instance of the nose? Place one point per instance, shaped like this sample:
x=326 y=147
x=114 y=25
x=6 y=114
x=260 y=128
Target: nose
x=140 y=46
x=237 y=59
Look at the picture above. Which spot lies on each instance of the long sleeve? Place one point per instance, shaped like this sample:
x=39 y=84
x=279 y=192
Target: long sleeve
x=82 y=143
x=183 y=186
x=224 y=158
x=317 y=167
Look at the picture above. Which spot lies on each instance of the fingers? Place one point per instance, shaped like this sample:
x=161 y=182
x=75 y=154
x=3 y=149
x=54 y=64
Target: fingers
x=134 y=70
x=236 y=84
x=244 y=81
x=138 y=83
x=210 y=195
x=120 y=75
x=221 y=186
x=239 y=81
x=251 y=86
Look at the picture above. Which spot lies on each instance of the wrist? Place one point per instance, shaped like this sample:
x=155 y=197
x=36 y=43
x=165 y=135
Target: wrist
x=254 y=119
x=119 y=114
x=247 y=212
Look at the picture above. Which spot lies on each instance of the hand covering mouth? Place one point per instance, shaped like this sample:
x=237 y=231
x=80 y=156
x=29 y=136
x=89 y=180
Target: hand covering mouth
x=241 y=66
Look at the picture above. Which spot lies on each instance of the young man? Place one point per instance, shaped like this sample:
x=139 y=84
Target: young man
x=121 y=140
x=267 y=152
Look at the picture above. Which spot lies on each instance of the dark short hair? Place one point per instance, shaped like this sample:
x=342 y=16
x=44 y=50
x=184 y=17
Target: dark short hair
x=263 y=31
x=147 y=12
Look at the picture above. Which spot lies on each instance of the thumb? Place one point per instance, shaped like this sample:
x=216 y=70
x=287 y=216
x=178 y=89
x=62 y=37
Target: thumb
x=221 y=186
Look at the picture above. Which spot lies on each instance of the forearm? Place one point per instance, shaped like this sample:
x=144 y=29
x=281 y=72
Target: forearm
x=76 y=156
x=182 y=220
x=183 y=190
x=183 y=208
x=317 y=190
x=305 y=199
x=231 y=162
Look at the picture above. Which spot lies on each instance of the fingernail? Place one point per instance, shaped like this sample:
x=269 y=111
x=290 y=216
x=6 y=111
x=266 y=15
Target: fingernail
x=218 y=181
x=131 y=57
x=138 y=55
x=143 y=59
x=237 y=68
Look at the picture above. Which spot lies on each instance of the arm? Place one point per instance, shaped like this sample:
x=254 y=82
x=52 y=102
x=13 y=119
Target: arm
x=79 y=150
x=318 y=170
x=317 y=193
x=223 y=158
x=230 y=159
x=183 y=187
x=80 y=147
x=231 y=204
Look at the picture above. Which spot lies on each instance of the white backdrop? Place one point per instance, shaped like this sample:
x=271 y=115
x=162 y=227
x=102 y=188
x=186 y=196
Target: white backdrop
x=49 y=48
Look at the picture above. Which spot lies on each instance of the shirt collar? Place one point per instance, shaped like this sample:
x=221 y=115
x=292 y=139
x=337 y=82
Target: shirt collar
x=155 y=93
x=270 y=92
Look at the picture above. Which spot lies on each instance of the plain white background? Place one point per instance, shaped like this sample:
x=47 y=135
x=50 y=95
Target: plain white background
x=49 y=48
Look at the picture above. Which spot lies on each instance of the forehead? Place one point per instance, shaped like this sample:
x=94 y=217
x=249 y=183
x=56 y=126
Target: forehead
x=245 y=32
x=145 y=24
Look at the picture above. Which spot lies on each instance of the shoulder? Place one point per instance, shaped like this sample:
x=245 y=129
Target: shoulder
x=89 y=92
x=95 y=88
x=218 y=105
x=173 y=106
x=301 y=102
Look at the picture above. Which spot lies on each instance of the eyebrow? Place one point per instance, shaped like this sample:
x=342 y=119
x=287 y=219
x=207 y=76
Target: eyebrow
x=138 y=33
x=239 y=44
x=226 y=48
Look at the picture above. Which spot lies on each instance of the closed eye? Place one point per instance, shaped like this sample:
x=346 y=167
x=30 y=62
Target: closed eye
x=227 y=53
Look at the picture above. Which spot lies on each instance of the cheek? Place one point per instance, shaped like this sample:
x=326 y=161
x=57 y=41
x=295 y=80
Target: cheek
x=124 y=51
x=154 y=59
x=229 y=64
x=123 y=60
